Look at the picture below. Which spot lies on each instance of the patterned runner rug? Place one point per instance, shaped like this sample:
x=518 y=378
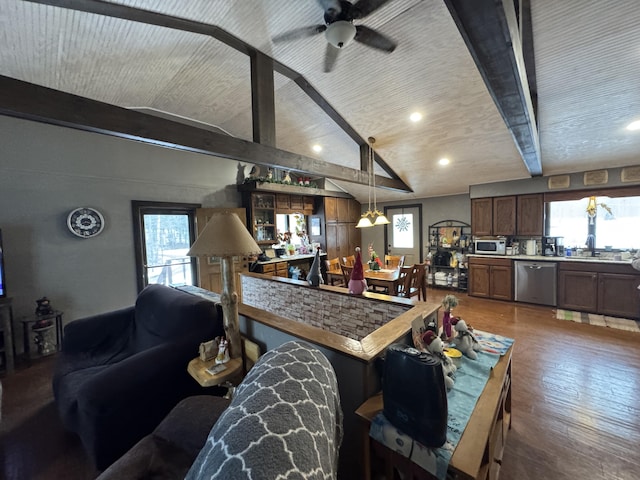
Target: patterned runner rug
x=599 y=320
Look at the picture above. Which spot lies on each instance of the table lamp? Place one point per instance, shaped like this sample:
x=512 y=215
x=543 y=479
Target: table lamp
x=226 y=237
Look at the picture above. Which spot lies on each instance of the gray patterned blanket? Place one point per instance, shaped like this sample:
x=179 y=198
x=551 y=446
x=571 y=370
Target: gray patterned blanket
x=285 y=422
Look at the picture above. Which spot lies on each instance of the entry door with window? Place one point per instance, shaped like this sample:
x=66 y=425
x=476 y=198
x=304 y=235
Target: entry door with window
x=403 y=234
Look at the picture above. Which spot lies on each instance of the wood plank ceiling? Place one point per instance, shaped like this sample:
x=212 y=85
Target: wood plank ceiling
x=587 y=61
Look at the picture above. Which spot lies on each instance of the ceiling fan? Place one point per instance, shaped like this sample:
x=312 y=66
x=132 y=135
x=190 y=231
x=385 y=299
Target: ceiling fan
x=339 y=29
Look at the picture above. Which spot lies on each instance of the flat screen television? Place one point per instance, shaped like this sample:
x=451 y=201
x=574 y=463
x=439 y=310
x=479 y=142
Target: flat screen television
x=3 y=285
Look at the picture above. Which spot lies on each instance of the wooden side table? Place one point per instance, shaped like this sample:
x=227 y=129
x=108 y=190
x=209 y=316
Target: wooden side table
x=29 y=322
x=197 y=369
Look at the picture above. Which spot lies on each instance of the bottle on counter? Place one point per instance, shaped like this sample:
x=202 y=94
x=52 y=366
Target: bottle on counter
x=450 y=280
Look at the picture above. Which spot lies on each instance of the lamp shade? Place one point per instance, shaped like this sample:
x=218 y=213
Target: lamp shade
x=381 y=220
x=224 y=236
x=364 y=223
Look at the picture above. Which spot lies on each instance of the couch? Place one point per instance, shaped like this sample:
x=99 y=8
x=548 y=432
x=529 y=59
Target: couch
x=284 y=421
x=120 y=373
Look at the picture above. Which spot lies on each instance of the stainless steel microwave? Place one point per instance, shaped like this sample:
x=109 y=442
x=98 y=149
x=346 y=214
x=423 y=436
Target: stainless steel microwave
x=488 y=246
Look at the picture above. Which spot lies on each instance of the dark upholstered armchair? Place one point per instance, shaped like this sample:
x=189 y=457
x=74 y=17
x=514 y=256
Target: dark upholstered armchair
x=120 y=373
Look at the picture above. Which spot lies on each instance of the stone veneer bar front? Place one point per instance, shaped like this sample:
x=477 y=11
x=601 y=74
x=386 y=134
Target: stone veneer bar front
x=352 y=331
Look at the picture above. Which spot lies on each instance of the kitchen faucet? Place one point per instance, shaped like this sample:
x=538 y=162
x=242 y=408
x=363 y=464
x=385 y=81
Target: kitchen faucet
x=591 y=244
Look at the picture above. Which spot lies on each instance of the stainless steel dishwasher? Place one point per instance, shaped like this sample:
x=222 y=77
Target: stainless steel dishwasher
x=535 y=282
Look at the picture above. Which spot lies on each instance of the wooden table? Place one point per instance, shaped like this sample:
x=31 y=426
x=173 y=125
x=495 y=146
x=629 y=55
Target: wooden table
x=478 y=455
x=197 y=369
x=387 y=278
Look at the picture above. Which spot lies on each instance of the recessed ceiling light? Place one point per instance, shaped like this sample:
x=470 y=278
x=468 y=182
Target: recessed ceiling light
x=634 y=125
x=415 y=117
x=443 y=161
x=317 y=148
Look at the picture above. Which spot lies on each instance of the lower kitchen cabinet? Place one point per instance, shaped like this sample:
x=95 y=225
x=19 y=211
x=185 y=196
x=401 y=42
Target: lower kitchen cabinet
x=491 y=278
x=608 y=289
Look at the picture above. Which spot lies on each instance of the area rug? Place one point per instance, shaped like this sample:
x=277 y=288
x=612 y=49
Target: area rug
x=599 y=320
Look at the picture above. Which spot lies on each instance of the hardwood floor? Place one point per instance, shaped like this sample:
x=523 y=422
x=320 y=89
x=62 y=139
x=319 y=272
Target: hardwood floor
x=576 y=402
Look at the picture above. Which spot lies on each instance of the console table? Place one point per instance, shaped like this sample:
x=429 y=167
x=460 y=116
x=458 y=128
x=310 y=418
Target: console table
x=478 y=455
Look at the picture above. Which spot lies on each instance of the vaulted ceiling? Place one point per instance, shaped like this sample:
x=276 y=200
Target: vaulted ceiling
x=580 y=87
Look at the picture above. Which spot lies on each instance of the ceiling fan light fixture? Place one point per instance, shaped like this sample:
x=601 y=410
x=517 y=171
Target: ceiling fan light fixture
x=340 y=33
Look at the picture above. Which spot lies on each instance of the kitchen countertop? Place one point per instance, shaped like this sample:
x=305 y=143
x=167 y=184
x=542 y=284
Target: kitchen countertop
x=541 y=258
x=288 y=258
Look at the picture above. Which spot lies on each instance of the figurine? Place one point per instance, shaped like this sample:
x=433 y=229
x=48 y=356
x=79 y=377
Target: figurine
x=287 y=178
x=315 y=278
x=357 y=282
x=448 y=303
x=270 y=174
x=254 y=173
x=223 y=351
x=436 y=348
x=465 y=341
x=44 y=306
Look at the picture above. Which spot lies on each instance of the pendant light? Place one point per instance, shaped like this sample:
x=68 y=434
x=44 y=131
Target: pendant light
x=373 y=217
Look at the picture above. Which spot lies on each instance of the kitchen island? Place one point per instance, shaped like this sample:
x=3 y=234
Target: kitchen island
x=279 y=266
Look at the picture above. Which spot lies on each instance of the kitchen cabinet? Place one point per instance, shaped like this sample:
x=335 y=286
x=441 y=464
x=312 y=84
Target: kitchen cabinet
x=491 y=278
x=341 y=216
x=481 y=216
x=607 y=289
x=504 y=215
x=530 y=216
x=263 y=217
x=509 y=215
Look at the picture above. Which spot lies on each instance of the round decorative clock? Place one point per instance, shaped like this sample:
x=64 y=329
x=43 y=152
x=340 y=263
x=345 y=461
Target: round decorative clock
x=85 y=222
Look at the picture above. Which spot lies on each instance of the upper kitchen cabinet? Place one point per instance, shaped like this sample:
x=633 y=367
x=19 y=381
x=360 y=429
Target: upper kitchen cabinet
x=530 y=219
x=504 y=215
x=481 y=216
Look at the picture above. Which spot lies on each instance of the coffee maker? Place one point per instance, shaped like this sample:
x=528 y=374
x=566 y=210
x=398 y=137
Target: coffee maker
x=553 y=246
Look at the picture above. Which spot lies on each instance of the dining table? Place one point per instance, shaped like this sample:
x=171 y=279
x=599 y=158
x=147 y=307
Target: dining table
x=388 y=278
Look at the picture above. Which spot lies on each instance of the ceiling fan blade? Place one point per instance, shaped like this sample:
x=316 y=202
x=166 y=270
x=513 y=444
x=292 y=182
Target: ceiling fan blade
x=373 y=39
x=330 y=57
x=362 y=8
x=298 y=33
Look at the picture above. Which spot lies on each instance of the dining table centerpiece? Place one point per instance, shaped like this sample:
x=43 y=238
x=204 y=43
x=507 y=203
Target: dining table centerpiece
x=374 y=260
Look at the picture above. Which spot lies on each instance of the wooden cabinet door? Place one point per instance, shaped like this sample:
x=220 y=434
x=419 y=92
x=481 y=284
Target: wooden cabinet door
x=283 y=201
x=330 y=209
x=578 y=290
x=504 y=215
x=530 y=218
x=331 y=234
x=501 y=282
x=481 y=216
x=343 y=210
x=354 y=240
x=308 y=205
x=342 y=239
x=479 y=280
x=618 y=295
x=297 y=203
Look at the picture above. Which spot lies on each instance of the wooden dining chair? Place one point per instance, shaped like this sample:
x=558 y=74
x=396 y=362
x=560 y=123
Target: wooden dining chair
x=334 y=272
x=349 y=261
x=419 y=280
x=346 y=273
x=394 y=261
x=404 y=281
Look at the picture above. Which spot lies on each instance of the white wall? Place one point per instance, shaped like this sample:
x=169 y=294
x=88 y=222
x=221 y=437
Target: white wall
x=47 y=171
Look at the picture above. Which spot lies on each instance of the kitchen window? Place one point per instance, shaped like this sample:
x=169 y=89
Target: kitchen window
x=614 y=221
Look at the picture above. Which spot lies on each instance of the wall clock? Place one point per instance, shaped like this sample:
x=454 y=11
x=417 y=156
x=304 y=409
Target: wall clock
x=85 y=222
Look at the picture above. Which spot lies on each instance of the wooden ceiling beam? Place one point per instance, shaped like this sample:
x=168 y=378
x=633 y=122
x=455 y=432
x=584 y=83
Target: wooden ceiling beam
x=260 y=100
x=33 y=102
x=491 y=32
